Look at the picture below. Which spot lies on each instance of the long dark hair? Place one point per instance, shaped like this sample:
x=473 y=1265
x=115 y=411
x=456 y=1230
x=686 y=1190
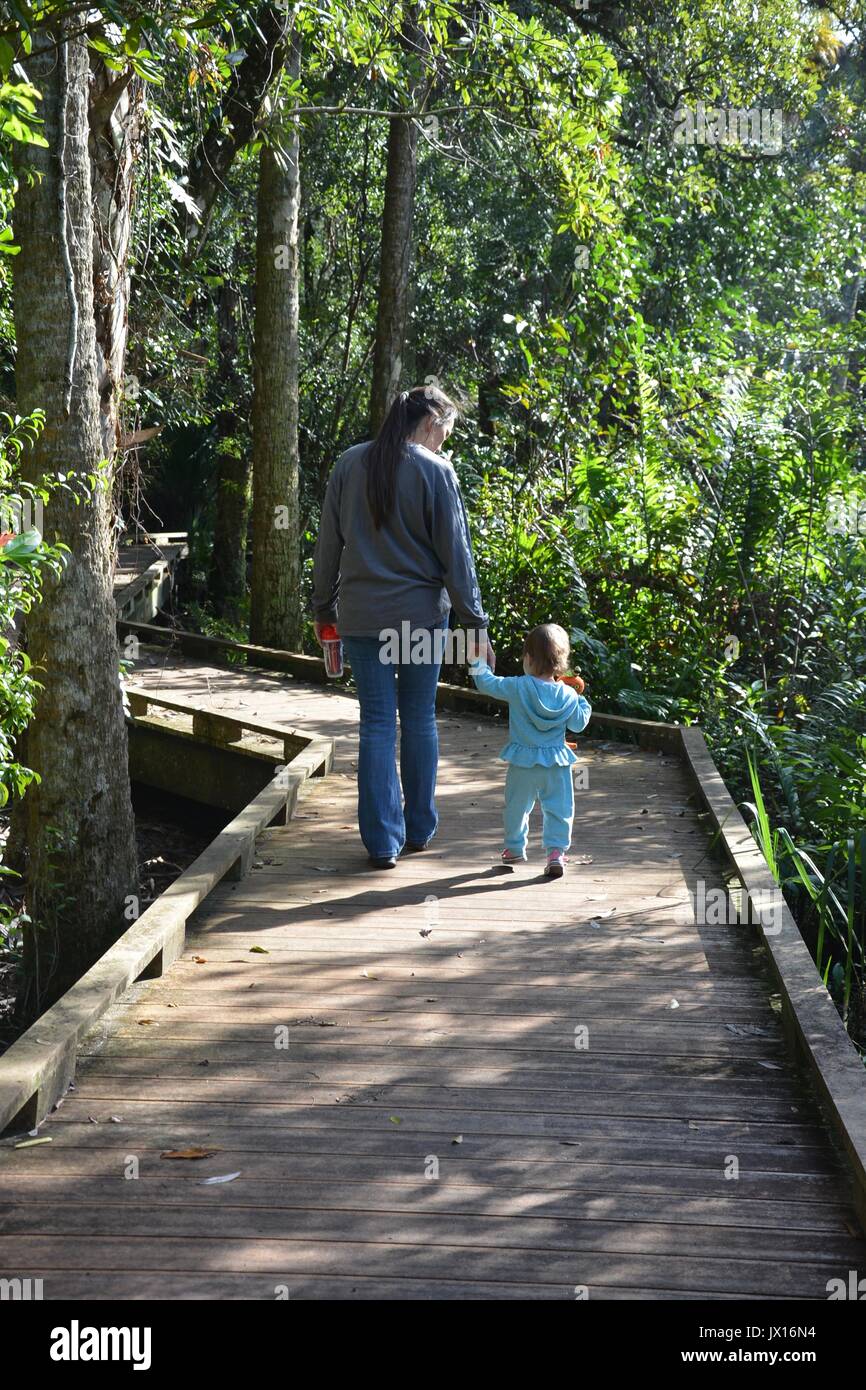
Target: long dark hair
x=383 y=456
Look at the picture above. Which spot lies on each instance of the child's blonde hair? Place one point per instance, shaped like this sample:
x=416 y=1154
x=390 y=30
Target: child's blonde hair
x=548 y=649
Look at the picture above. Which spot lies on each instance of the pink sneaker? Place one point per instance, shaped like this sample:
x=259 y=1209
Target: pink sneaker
x=556 y=862
x=509 y=858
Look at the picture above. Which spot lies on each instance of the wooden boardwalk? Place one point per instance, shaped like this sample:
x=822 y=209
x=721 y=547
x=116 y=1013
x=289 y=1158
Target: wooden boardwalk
x=144 y=575
x=442 y=1081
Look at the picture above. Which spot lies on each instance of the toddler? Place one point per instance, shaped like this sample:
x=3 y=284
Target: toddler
x=541 y=707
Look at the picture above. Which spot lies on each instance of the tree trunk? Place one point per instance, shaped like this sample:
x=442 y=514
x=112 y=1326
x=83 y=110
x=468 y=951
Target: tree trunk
x=233 y=125
x=227 y=580
x=396 y=257
x=275 y=610
x=79 y=829
x=116 y=104
x=395 y=290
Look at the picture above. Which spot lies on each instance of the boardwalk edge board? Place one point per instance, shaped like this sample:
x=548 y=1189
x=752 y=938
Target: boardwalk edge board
x=36 y=1070
x=813 y=1029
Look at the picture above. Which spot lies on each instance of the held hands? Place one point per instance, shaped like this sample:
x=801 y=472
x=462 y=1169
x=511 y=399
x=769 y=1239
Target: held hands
x=478 y=648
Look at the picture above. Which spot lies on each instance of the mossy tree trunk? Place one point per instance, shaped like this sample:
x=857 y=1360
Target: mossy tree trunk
x=78 y=822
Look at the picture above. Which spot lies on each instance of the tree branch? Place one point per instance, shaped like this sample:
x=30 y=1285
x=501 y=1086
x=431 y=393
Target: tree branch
x=233 y=124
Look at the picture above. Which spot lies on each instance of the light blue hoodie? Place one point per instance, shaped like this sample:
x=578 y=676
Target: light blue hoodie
x=539 y=714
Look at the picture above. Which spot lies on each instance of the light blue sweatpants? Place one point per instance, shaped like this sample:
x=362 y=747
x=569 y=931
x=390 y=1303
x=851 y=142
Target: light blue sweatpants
x=554 y=789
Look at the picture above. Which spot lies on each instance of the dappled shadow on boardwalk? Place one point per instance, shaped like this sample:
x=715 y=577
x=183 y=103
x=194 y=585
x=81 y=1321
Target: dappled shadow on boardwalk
x=445 y=1081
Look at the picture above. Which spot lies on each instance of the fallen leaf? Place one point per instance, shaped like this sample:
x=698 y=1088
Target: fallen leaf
x=458 y=1139
x=200 y=960
x=426 y=931
x=674 y=1004
x=29 y=1143
x=224 y=1177
x=146 y=1020
x=395 y=1119
x=771 y=1066
x=259 y=951
x=195 y=1151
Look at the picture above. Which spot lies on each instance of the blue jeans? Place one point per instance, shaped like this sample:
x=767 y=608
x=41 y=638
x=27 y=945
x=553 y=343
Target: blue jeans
x=385 y=822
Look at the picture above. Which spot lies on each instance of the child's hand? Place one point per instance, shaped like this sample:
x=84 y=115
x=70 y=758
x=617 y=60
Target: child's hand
x=576 y=682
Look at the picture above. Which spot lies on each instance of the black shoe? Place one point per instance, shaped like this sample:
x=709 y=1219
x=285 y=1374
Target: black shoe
x=386 y=861
x=411 y=848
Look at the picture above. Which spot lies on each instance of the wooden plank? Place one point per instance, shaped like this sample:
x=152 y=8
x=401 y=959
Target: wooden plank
x=517 y=1233
x=285 y=1259
x=783 y=1148
x=597 y=1065
x=269 y=1087
x=688 y=1039
x=192 y=1285
x=429 y=972
x=270 y=1004
x=411 y=1066
x=449 y=1195
x=275 y=1159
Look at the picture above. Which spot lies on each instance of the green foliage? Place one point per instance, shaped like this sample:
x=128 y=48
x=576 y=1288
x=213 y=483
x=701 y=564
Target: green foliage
x=25 y=560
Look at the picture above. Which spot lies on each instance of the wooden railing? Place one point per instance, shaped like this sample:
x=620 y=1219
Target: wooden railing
x=222 y=730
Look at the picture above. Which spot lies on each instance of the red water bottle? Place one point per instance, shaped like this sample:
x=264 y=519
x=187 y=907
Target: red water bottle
x=332 y=649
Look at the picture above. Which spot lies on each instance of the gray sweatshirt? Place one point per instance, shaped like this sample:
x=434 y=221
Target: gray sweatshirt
x=365 y=580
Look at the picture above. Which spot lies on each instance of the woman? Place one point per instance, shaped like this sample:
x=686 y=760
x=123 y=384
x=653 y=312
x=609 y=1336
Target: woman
x=394 y=549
